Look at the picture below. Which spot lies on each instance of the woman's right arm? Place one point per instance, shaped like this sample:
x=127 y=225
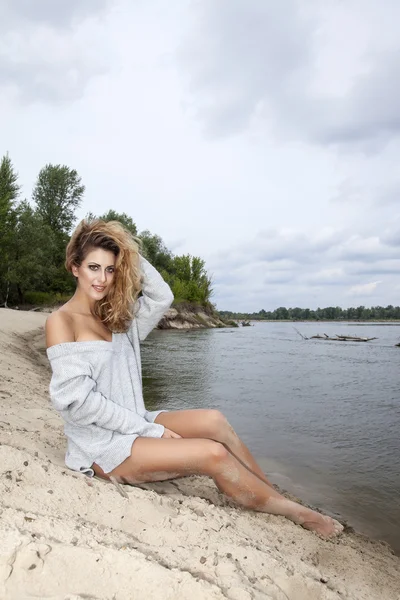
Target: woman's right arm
x=156 y=299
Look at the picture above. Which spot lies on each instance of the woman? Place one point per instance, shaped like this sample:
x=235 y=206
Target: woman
x=93 y=347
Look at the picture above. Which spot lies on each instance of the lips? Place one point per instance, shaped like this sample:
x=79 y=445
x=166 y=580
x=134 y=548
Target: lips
x=98 y=288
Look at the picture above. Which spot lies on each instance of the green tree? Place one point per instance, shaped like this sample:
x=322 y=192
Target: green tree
x=281 y=313
x=360 y=312
x=351 y=313
x=389 y=312
x=123 y=218
x=189 y=280
x=182 y=267
x=32 y=249
x=58 y=193
x=296 y=313
x=155 y=251
x=9 y=188
x=9 y=192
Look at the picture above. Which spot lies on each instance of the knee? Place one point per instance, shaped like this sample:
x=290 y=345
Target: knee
x=216 y=454
x=217 y=425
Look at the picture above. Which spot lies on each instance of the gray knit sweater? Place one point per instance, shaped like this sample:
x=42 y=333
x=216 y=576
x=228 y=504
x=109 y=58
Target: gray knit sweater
x=97 y=386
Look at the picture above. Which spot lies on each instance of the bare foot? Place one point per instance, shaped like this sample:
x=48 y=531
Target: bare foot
x=307 y=518
x=321 y=524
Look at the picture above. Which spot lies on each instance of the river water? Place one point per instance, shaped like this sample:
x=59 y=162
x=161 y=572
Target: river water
x=322 y=418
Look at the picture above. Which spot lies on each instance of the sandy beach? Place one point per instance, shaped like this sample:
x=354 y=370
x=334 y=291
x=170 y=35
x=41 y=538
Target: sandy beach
x=65 y=536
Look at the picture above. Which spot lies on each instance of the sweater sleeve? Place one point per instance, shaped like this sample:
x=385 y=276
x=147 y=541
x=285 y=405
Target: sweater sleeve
x=73 y=394
x=156 y=300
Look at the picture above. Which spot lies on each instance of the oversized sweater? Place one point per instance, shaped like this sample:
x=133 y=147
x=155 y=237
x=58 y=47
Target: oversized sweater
x=96 y=386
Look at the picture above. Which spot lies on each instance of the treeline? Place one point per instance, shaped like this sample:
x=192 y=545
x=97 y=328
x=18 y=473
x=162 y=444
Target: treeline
x=34 y=234
x=330 y=313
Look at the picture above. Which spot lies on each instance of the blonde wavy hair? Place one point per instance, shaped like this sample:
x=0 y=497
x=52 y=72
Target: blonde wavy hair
x=116 y=309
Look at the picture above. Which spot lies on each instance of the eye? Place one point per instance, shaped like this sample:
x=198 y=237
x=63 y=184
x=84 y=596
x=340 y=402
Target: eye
x=111 y=269
x=93 y=267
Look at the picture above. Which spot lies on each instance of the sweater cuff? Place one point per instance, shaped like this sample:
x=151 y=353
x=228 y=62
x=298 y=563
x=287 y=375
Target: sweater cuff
x=154 y=430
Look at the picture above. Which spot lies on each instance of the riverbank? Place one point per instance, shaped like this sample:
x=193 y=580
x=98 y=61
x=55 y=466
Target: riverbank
x=67 y=536
x=191 y=317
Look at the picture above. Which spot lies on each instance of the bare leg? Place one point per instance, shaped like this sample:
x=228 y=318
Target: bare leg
x=211 y=424
x=154 y=459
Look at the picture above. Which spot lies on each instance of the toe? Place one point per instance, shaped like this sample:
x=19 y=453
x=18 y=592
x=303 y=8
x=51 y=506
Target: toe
x=338 y=526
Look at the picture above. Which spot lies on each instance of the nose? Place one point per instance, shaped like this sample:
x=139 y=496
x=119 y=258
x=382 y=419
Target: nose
x=103 y=277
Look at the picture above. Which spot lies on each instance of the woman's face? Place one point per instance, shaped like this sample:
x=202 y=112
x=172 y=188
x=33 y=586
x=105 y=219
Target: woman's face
x=96 y=273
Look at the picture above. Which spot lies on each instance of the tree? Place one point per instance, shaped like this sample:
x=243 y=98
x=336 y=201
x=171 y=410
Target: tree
x=189 y=280
x=9 y=192
x=359 y=312
x=123 y=218
x=182 y=267
x=155 y=250
x=296 y=313
x=58 y=193
x=31 y=254
x=282 y=313
x=9 y=188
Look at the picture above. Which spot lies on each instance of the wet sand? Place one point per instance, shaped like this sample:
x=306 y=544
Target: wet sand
x=66 y=536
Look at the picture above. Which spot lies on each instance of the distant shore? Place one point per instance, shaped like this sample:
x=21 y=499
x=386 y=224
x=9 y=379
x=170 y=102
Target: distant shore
x=353 y=322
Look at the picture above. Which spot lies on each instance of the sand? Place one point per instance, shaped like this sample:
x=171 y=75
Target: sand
x=65 y=536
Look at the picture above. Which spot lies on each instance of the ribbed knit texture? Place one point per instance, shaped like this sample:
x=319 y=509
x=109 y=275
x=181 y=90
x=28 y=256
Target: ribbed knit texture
x=96 y=386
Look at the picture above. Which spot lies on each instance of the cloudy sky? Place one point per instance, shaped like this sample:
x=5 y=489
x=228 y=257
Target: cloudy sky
x=263 y=136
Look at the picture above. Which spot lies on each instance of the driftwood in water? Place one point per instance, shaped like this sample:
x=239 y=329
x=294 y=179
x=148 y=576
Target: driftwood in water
x=246 y=324
x=342 y=338
x=337 y=338
x=300 y=334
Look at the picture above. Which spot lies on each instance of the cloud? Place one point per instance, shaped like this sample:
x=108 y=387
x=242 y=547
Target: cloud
x=358 y=247
x=347 y=192
x=325 y=251
x=56 y=14
x=363 y=289
x=251 y=62
x=49 y=50
x=330 y=276
x=233 y=73
x=370 y=110
x=321 y=268
x=388 y=195
x=274 y=277
x=391 y=237
x=378 y=268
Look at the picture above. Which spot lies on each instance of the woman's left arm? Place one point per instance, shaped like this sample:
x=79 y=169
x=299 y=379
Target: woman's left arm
x=156 y=300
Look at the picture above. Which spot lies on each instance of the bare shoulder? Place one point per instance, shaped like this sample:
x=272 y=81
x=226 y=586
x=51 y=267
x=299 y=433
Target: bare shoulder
x=59 y=328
